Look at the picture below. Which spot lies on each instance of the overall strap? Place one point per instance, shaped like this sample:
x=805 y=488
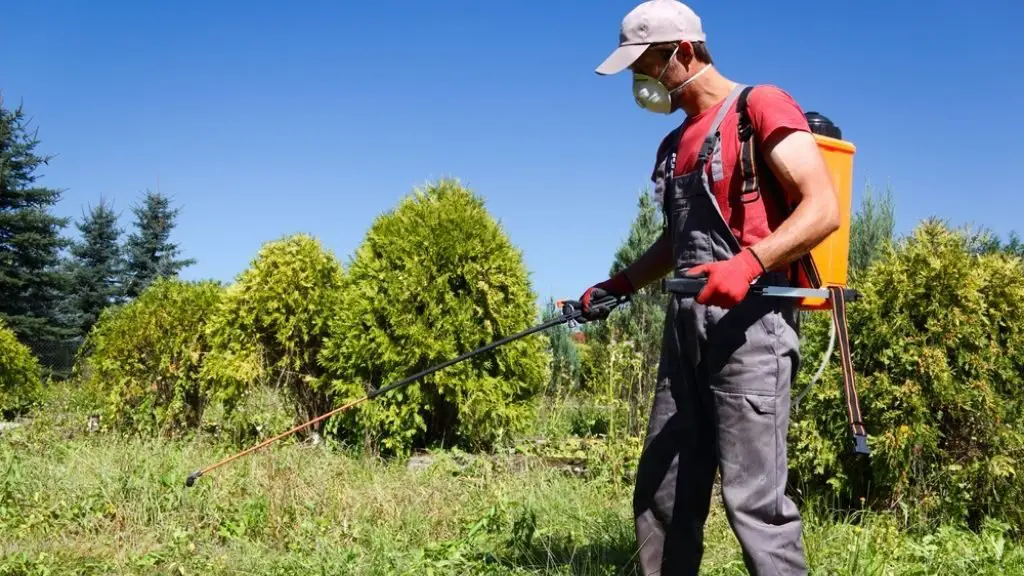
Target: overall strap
x=750 y=164
x=709 y=140
x=712 y=137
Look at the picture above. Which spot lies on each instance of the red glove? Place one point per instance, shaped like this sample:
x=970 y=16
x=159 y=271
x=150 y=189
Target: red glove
x=728 y=281
x=618 y=285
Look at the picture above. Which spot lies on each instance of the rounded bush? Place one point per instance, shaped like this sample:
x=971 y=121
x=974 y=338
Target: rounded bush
x=271 y=323
x=938 y=347
x=436 y=278
x=20 y=376
x=145 y=357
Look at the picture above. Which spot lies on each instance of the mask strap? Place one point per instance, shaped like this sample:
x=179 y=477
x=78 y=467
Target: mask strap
x=690 y=79
x=668 y=63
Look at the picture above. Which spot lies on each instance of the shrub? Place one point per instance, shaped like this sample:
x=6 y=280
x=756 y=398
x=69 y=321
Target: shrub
x=938 y=346
x=565 y=360
x=433 y=279
x=271 y=323
x=20 y=376
x=145 y=357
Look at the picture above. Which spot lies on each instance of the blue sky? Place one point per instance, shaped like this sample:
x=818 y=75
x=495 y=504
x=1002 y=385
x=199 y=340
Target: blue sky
x=318 y=117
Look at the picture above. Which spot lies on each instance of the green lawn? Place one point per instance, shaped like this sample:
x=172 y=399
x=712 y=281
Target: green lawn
x=78 y=503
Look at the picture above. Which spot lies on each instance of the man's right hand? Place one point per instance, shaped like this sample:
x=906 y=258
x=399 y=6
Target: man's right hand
x=618 y=285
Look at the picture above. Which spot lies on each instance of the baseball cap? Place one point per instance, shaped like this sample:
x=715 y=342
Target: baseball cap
x=652 y=22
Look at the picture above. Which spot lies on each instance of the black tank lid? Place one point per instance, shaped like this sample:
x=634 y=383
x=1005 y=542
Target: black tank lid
x=820 y=124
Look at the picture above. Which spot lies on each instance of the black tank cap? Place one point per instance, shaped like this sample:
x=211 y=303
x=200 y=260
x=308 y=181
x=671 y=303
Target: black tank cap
x=820 y=124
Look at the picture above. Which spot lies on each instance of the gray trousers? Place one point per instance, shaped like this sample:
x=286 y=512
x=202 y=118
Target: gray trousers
x=722 y=403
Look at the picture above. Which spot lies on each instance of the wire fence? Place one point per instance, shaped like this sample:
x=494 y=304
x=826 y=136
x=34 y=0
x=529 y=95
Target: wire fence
x=57 y=357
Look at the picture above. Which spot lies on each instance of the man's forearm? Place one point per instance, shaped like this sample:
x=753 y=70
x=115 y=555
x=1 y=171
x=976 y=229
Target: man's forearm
x=652 y=265
x=794 y=159
x=812 y=221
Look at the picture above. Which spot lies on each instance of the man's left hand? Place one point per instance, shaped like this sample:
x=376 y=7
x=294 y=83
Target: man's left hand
x=728 y=281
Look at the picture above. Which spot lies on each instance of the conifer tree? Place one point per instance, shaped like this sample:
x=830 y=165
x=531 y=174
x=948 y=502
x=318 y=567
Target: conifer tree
x=32 y=280
x=149 y=251
x=97 y=265
x=871 y=230
x=639 y=322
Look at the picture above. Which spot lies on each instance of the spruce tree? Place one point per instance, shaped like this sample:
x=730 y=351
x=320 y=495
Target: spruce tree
x=149 y=252
x=97 y=265
x=871 y=230
x=32 y=281
x=640 y=321
x=565 y=360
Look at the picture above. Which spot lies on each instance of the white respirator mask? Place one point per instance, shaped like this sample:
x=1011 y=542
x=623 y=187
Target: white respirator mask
x=650 y=94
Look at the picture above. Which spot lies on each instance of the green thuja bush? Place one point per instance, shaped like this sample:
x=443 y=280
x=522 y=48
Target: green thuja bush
x=435 y=278
x=20 y=376
x=938 y=347
x=271 y=323
x=144 y=358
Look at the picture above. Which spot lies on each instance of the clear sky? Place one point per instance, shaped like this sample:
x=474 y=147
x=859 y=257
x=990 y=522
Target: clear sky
x=262 y=119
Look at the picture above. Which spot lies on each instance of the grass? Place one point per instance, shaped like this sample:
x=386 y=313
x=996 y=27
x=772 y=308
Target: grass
x=78 y=503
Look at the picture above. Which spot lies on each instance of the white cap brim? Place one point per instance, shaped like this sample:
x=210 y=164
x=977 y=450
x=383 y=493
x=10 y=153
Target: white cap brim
x=621 y=58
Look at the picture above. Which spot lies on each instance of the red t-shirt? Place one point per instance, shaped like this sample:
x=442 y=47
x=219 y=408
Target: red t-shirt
x=770 y=109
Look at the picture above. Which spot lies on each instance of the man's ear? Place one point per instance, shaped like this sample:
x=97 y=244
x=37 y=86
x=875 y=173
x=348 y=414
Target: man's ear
x=685 y=54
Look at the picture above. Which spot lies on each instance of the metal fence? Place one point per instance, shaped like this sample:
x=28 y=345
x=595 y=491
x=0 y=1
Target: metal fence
x=56 y=357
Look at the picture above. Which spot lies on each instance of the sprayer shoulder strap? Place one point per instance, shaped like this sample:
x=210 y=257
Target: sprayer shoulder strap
x=752 y=166
x=854 y=419
x=805 y=272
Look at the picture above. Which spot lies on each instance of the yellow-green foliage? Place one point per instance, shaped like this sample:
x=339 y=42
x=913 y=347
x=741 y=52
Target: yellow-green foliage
x=145 y=357
x=938 y=345
x=271 y=322
x=20 y=376
x=433 y=279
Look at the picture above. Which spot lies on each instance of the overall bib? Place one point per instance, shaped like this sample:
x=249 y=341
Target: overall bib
x=721 y=402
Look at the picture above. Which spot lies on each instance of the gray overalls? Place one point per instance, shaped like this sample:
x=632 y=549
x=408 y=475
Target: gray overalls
x=721 y=402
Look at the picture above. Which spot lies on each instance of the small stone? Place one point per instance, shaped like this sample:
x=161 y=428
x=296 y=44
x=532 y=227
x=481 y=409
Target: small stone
x=420 y=462
x=8 y=426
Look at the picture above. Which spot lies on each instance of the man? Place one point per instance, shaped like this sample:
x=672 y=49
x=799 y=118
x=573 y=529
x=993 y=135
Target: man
x=728 y=362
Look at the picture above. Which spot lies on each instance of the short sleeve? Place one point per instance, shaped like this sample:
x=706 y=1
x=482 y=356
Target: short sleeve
x=772 y=109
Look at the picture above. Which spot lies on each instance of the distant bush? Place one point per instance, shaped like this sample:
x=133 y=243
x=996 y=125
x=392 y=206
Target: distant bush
x=145 y=357
x=433 y=279
x=271 y=323
x=20 y=376
x=565 y=357
x=938 y=346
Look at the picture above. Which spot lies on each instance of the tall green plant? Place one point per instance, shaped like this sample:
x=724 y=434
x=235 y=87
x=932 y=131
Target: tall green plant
x=145 y=358
x=938 y=346
x=871 y=229
x=987 y=242
x=623 y=351
x=434 y=278
x=97 y=265
x=271 y=323
x=20 y=376
x=149 y=250
x=32 y=281
x=565 y=359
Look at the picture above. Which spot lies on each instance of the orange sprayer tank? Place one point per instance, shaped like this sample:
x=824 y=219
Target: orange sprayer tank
x=832 y=255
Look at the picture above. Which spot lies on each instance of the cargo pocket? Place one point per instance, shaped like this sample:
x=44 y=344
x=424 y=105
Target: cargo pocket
x=761 y=403
x=748 y=448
